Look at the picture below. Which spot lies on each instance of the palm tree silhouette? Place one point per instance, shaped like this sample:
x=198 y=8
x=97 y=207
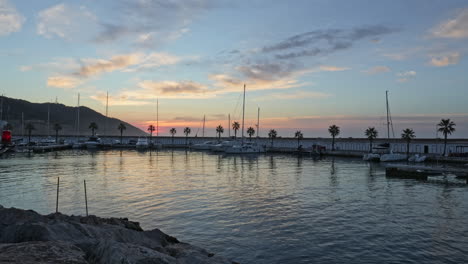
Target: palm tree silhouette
x=187 y=131
x=299 y=136
x=57 y=127
x=236 y=127
x=272 y=135
x=93 y=126
x=334 y=131
x=251 y=132
x=408 y=135
x=173 y=131
x=219 y=131
x=121 y=127
x=371 y=133
x=447 y=127
x=29 y=127
x=151 y=129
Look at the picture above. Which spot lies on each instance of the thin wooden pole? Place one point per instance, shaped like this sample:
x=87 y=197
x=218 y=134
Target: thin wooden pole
x=86 y=197
x=57 y=201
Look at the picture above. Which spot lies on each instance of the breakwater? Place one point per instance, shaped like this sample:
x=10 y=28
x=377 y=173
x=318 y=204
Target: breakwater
x=28 y=237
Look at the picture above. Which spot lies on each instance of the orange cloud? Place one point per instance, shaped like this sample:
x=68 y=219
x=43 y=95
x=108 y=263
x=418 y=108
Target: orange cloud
x=65 y=82
x=445 y=60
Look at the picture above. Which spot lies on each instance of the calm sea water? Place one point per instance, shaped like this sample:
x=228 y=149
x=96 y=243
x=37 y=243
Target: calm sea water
x=257 y=209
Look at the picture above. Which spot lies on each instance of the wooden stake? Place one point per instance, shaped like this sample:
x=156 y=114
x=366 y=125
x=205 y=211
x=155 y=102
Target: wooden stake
x=56 y=203
x=86 y=197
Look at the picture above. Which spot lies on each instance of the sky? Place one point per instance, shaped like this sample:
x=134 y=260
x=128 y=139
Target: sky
x=306 y=64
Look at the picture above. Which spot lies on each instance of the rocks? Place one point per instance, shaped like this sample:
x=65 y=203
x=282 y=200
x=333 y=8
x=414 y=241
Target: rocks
x=28 y=237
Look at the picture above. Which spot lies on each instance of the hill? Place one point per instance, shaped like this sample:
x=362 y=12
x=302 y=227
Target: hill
x=14 y=110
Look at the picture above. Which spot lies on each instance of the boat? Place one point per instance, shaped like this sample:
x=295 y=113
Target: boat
x=221 y=147
x=417 y=158
x=246 y=147
x=142 y=143
x=93 y=142
x=204 y=146
x=383 y=152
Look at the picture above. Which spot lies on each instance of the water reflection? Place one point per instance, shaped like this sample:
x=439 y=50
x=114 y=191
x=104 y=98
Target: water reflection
x=249 y=208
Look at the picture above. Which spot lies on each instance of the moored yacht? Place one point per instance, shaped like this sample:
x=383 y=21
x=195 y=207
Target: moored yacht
x=142 y=143
x=93 y=142
x=204 y=146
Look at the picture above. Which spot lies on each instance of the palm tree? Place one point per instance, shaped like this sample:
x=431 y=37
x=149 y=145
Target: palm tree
x=236 y=127
x=371 y=133
x=187 y=131
x=57 y=127
x=299 y=136
x=173 y=131
x=408 y=135
x=29 y=127
x=151 y=129
x=447 y=127
x=251 y=132
x=121 y=127
x=219 y=131
x=272 y=135
x=93 y=126
x=334 y=131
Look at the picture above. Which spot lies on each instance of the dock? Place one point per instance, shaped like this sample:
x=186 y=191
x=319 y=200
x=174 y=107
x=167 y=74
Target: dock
x=422 y=172
x=49 y=148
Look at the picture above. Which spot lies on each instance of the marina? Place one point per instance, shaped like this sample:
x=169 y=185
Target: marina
x=248 y=208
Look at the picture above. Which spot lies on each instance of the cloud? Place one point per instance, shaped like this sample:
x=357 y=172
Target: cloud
x=153 y=22
x=324 y=41
x=445 y=59
x=120 y=100
x=65 y=82
x=454 y=28
x=173 y=88
x=93 y=67
x=377 y=70
x=298 y=95
x=10 y=20
x=66 y=21
x=405 y=76
x=155 y=60
x=57 y=65
x=327 y=68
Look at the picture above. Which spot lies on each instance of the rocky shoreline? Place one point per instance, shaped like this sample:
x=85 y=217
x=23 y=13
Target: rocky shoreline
x=28 y=237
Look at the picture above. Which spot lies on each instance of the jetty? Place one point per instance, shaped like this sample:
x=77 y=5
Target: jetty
x=49 y=148
x=422 y=172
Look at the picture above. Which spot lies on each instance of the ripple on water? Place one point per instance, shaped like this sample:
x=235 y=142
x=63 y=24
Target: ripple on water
x=264 y=209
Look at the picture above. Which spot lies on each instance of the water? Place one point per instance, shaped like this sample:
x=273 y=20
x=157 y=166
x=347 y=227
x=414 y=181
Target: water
x=258 y=209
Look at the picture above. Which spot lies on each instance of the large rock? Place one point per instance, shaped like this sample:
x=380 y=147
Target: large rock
x=28 y=237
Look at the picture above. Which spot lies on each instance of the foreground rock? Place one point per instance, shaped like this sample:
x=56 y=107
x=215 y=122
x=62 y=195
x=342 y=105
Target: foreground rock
x=28 y=237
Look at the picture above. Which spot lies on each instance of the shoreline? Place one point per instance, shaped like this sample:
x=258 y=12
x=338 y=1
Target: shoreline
x=29 y=237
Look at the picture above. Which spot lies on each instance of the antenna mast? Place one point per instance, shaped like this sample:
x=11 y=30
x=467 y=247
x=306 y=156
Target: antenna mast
x=243 y=115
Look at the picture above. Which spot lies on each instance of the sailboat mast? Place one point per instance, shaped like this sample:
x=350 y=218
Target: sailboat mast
x=48 y=120
x=157 y=117
x=203 y=130
x=243 y=115
x=78 y=116
x=388 y=116
x=107 y=111
x=258 y=123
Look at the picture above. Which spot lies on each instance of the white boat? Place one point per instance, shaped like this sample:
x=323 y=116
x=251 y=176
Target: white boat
x=417 y=158
x=392 y=157
x=371 y=157
x=221 y=147
x=204 y=146
x=156 y=145
x=245 y=148
x=142 y=143
x=93 y=142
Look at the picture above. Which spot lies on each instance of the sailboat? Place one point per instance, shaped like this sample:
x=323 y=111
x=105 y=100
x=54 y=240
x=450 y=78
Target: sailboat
x=245 y=147
x=383 y=152
x=157 y=144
